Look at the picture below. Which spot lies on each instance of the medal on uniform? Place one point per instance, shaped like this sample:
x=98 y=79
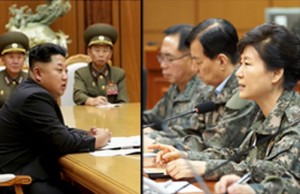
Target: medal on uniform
x=111 y=89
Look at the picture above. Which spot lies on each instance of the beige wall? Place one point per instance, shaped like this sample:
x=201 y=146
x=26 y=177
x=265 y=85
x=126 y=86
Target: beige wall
x=243 y=14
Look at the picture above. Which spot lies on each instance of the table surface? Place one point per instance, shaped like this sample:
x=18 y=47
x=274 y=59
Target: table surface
x=117 y=174
x=148 y=162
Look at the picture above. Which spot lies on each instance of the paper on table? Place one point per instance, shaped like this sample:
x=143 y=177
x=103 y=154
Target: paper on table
x=123 y=142
x=181 y=187
x=121 y=152
x=108 y=105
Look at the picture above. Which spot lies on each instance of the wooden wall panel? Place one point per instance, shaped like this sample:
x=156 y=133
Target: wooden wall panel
x=244 y=14
x=130 y=43
x=286 y=3
x=158 y=15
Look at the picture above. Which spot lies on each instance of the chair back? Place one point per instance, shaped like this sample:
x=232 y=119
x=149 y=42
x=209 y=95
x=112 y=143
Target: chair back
x=74 y=62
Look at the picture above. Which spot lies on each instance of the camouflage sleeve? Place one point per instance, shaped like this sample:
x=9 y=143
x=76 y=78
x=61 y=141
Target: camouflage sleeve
x=211 y=153
x=155 y=114
x=283 y=156
x=231 y=128
x=277 y=185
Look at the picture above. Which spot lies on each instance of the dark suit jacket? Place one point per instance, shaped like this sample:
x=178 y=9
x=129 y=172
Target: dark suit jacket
x=33 y=134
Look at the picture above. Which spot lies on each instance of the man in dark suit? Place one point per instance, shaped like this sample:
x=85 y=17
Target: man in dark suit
x=100 y=83
x=32 y=131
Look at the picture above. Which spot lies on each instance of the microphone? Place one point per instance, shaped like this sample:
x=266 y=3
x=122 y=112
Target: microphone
x=199 y=109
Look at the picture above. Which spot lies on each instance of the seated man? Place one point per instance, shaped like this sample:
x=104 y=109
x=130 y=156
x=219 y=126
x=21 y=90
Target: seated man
x=32 y=131
x=177 y=69
x=100 y=83
x=13 y=48
x=229 y=122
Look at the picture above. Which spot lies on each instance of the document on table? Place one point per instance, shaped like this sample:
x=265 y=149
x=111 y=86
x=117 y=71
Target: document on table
x=109 y=105
x=123 y=142
x=120 y=152
x=120 y=146
x=180 y=187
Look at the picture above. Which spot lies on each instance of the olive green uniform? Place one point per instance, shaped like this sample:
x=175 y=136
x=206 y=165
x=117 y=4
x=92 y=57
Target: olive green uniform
x=11 y=41
x=109 y=81
x=88 y=85
x=8 y=84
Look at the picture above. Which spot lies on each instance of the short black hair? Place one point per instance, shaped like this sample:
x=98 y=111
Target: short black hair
x=183 y=30
x=278 y=48
x=216 y=36
x=43 y=53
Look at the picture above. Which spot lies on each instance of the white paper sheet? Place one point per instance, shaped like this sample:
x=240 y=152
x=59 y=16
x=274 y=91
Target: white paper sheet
x=121 y=152
x=180 y=187
x=123 y=142
x=109 y=105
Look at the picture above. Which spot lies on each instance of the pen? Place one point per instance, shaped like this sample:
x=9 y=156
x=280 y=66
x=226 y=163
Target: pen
x=244 y=179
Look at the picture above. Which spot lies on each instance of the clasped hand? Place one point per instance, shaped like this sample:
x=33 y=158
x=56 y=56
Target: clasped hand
x=102 y=135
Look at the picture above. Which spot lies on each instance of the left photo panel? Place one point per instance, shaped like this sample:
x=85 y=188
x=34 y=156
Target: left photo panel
x=70 y=96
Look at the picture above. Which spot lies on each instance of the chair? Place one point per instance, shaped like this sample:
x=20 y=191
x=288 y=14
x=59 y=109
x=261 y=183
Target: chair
x=7 y=180
x=74 y=62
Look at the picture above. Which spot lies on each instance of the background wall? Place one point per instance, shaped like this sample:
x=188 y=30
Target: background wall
x=123 y=15
x=158 y=15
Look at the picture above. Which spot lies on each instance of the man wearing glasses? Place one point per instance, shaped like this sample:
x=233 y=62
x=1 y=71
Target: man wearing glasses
x=185 y=92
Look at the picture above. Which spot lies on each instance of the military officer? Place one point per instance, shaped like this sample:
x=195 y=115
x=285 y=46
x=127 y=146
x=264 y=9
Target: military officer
x=13 y=48
x=100 y=83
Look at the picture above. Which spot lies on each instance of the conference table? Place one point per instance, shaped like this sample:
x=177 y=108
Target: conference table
x=148 y=162
x=113 y=174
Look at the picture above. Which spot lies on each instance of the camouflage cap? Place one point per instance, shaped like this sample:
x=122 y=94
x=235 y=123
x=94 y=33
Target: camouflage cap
x=13 y=41
x=100 y=33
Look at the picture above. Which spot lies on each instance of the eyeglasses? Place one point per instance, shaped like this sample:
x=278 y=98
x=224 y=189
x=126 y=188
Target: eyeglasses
x=169 y=59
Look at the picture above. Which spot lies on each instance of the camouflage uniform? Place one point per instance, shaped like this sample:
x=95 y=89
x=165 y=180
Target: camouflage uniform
x=277 y=185
x=224 y=127
x=275 y=157
x=172 y=104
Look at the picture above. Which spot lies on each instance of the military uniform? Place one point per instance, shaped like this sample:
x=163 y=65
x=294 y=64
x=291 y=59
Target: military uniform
x=109 y=81
x=226 y=126
x=275 y=157
x=11 y=42
x=277 y=185
x=174 y=103
x=8 y=84
x=88 y=84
